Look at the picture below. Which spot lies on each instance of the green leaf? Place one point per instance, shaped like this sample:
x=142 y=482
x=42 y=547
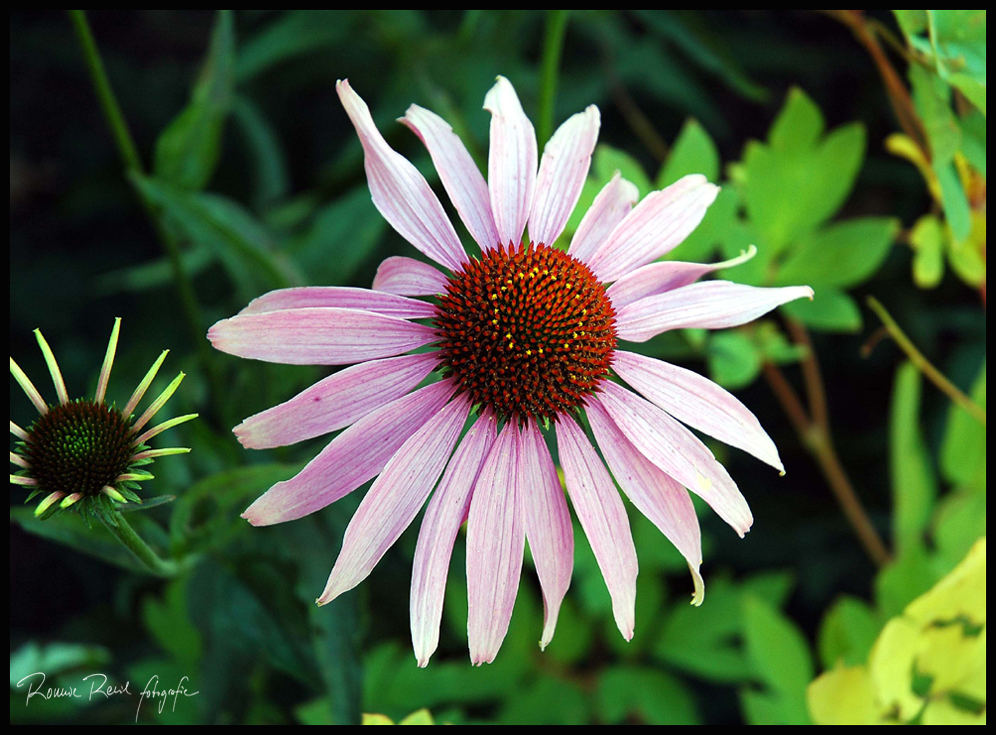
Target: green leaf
x=70 y=530
x=954 y=201
x=847 y=632
x=237 y=239
x=927 y=238
x=963 y=449
x=294 y=33
x=647 y=696
x=547 y=701
x=829 y=311
x=206 y=515
x=798 y=181
x=188 y=150
x=692 y=153
x=272 y=181
x=341 y=236
x=780 y=656
x=961 y=518
x=168 y=623
x=607 y=160
x=53 y=659
x=840 y=255
x=798 y=126
x=959 y=40
x=733 y=358
x=902 y=580
x=701 y=640
x=914 y=486
x=911 y=22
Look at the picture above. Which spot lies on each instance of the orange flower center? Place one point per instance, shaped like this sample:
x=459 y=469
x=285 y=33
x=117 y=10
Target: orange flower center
x=526 y=330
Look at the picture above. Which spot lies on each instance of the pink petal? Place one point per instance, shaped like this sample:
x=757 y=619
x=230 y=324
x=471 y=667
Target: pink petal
x=548 y=525
x=698 y=402
x=656 y=225
x=495 y=545
x=395 y=498
x=603 y=518
x=335 y=402
x=318 y=336
x=562 y=171
x=409 y=277
x=511 y=161
x=609 y=209
x=443 y=517
x=706 y=305
x=399 y=191
x=457 y=171
x=665 y=502
x=353 y=457
x=387 y=304
x=666 y=275
x=676 y=452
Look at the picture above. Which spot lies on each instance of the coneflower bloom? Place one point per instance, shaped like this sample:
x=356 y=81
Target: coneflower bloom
x=85 y=453
x=523 y=339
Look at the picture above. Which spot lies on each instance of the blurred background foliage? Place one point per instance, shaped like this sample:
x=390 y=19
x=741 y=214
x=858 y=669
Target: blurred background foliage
x=851 y=148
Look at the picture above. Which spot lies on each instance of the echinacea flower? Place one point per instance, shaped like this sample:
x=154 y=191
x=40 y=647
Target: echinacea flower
x=525 y=340
x=85 y=453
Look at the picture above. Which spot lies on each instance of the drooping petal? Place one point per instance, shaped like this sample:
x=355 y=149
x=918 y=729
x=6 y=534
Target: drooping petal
x=496 y=539
x=603 y=518
x=655 y=226
x=395 y=498
x=458 y=173
x=697 y=401
x=349 y=460
x=408 y=277
x=335 y=402
x=443 y=517
x=511 y=161
x=563 y=168
x=318 y=336
x=665 y=275
x=548 y=525
x=676 y=452
x=342 y=297
x=706 y=305
x=662 y=500
x=400 y=193
x=608 y=209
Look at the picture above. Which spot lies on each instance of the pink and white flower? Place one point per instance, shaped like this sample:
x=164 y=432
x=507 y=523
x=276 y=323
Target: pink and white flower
x=523 y=342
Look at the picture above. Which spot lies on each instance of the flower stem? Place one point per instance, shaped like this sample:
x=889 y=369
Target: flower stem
x=553 y=44
x=934 y=375
x=814 y=431
x=133 y=166
x=123 y=532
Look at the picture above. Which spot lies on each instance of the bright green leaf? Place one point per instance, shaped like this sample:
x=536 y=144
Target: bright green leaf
x=963 y=449
x=841 y=255
x=927 y=238
x=914 y=486
x=829 y=311
x=692 y=153
x=607 y=160
x=188 y=150
x=847 y=632
x=733 y=359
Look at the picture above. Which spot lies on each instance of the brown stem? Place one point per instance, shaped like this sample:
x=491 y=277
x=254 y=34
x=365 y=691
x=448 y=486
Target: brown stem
x=899 y=97
x=817 y=441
